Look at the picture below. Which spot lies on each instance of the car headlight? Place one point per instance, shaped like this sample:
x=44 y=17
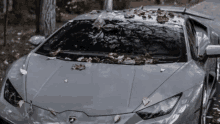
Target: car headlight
x=10 y=94
x=159 y=109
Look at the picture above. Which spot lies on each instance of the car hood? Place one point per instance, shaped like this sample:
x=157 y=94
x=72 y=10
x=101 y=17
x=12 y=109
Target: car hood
x=100 y=89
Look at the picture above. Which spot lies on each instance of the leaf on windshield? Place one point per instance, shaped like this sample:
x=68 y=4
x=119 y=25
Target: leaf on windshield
x=67 y=58
x=171 y=15
x=141 y=12
x=99 y=22
x=96 y=59
x=80 y=59
x=162 y=19
x=112 y=55
x=128 y=60
x=53 y=54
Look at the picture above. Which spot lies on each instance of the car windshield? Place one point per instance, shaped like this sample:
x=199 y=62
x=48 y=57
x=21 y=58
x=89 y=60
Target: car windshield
x=116 y=38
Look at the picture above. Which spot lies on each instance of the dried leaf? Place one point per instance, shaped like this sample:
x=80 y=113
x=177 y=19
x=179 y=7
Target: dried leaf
x=162 y=19
x=145 y=101
x=53 y=54
x=117 y=118
x=149 y=16
x=51 y=58
x=20 y=103
x=99 y=22
x=52 y=111
x=80 y=59
x=162 y=70
x=129 y=15
x=24 y=72
x=65 y=80
x=171 y=15
x=78 y=67
x=141 y=12
x=67 y=58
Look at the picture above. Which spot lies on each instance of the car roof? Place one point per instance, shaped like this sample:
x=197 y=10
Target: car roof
x=180 y=14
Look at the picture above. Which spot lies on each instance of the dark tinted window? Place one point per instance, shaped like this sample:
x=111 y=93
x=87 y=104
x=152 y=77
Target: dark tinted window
x=132 y=38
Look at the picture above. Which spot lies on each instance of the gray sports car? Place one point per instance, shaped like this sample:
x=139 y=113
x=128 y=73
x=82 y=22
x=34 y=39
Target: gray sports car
x=147 y=65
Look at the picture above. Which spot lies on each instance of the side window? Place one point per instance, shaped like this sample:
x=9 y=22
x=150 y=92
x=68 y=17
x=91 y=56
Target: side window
x=192 y=39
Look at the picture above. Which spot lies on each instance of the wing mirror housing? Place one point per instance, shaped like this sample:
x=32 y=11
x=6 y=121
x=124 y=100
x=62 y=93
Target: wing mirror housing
x=213 y=50
x=36 y=40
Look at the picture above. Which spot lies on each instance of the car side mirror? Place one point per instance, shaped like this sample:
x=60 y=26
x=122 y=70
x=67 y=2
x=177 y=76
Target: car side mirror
x=213 y=50
x=36 y=40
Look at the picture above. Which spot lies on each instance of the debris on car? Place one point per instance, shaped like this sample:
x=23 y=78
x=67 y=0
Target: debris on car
x=67 y=58
x=53 y=54
x=78 y=67
x=20 y=103
x=171 y=15
x=24 y=72
x=52 y=112
x=162 y=70
x=51 y=58
x=117 y=118
x=94 y=12
x=99 y=22
x=162 y=19
x=80 y=59
x=65 y=80
x=145 y=101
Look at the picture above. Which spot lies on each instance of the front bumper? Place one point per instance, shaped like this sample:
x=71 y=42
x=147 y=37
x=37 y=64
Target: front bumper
x=184 y=112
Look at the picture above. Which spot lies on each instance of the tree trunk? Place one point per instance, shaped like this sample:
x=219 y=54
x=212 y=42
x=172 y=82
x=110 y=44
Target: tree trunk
x=47 y=17
x=108 y=5
x=6 y=22
x=37 y=12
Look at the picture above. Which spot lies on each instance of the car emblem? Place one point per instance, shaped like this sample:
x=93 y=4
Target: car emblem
x=72 y=119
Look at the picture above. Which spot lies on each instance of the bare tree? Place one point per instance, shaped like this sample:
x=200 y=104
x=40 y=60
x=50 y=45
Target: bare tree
x=47 y=17
x=6 y=4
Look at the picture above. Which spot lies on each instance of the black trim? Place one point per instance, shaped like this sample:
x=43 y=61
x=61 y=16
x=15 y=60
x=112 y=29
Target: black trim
x=5 y=121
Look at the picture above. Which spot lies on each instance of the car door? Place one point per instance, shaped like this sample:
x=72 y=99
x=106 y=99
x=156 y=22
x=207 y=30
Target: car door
x=199 y=38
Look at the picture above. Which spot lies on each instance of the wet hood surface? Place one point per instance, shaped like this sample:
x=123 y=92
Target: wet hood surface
x=100 y=89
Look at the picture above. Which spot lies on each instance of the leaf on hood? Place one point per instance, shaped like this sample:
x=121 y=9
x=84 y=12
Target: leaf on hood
x=162 y=70
x=20 y=103
x=65 y=80
x=24 y=72
x=145 y=101
x=117 y=118
x=52 y=112
x=78 y=67
x=51 y=58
